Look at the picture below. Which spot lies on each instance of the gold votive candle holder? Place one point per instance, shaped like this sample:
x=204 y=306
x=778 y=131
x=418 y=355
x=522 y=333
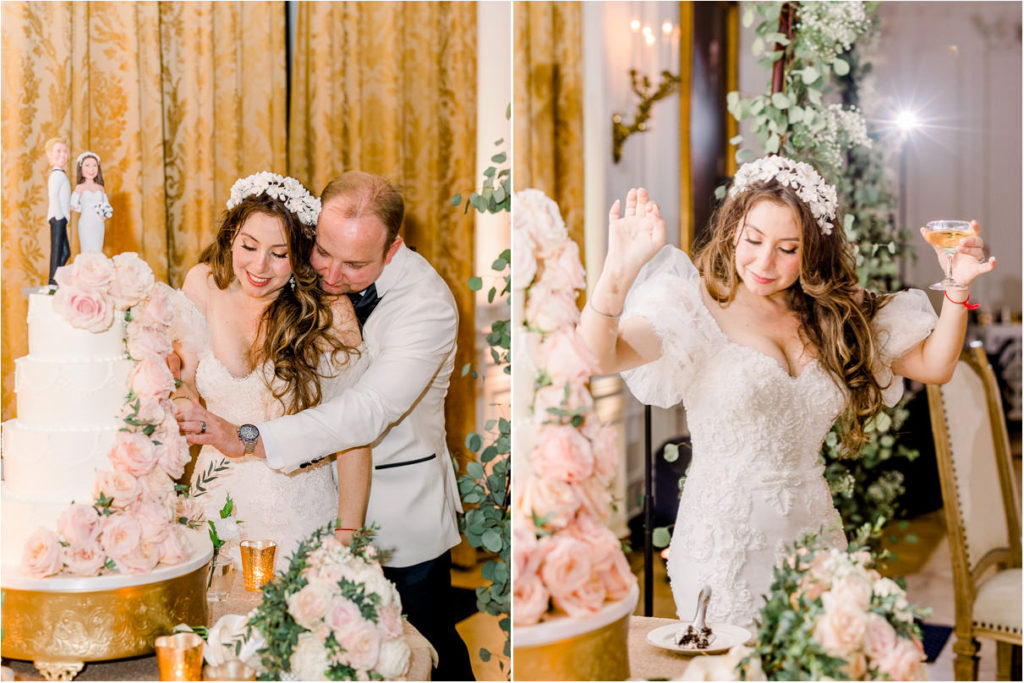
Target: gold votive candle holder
x=232 y=670
x=257 y=563
x=180 y=657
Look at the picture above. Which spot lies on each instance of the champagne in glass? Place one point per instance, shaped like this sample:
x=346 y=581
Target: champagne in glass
x=946 y=235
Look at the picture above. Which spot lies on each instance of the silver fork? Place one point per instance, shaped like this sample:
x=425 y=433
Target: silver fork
x=699 y=618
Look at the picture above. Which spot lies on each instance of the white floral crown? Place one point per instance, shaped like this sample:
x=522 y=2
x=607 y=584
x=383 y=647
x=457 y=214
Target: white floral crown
x=290 y=191
x=83 y=155
x=810 y=187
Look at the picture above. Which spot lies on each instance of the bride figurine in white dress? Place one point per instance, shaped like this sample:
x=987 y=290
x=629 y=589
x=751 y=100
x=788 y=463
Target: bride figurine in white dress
x=91 y=201
x=260 y=339
x=767 y=339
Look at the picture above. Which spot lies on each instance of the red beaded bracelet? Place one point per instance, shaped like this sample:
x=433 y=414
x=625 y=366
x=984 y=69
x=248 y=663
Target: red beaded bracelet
x=965 y=303
x=341 y=528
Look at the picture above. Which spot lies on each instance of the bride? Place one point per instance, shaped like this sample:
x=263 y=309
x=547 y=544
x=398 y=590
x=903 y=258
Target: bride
x=767 y=339
x=260 y=339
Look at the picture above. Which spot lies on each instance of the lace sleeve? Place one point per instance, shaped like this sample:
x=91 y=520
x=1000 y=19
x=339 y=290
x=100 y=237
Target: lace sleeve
x=903 y=322
x=667 y=294
x=189 y=324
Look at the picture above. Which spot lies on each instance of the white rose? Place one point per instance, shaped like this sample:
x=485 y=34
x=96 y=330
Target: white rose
x=309 y=604
x=393 y=660
x=309 y=659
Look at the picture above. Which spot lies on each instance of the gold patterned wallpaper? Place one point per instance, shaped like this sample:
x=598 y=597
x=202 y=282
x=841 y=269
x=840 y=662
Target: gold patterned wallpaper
x=181 y=99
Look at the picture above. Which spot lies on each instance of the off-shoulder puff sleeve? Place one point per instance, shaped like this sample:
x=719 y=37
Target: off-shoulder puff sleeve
x=667 y=294
x=906 y=320
x=189 y=324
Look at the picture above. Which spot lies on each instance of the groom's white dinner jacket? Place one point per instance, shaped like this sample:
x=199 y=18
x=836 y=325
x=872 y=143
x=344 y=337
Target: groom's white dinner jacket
x=397 y=407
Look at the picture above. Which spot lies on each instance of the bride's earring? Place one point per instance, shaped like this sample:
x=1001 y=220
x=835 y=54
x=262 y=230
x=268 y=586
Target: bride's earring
x=291 y=282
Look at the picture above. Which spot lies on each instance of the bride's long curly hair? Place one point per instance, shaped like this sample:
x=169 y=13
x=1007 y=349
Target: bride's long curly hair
x=296 y=329
x=835 y=313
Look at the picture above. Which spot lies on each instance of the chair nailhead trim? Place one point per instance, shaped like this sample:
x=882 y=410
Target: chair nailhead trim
x=997 y=627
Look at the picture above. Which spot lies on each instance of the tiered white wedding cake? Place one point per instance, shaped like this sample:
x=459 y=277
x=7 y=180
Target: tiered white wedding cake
x=573 y=590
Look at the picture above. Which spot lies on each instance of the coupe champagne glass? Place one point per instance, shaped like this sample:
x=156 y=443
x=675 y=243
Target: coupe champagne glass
x=946 y=235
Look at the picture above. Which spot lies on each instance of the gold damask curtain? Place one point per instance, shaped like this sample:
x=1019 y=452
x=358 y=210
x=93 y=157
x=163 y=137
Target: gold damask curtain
x=548 y=105
x=177 y=99
x=390 y=88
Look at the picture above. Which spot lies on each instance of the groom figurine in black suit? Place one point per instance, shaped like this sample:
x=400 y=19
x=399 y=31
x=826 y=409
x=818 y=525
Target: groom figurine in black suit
x=409 y=322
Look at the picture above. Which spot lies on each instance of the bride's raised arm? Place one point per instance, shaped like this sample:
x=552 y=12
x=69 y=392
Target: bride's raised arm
x=633 y=239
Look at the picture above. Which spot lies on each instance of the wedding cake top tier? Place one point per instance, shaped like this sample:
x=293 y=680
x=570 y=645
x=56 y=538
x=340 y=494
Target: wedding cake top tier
x=52 y=337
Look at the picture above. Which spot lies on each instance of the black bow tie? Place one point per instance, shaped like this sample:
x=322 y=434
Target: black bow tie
x=364 y=303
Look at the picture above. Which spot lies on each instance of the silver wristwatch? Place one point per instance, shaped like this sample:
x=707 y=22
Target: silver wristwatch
x=249 y=436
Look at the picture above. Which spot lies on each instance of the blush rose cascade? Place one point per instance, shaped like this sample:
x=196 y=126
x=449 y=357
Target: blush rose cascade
x=137 y=519
x=565 y=559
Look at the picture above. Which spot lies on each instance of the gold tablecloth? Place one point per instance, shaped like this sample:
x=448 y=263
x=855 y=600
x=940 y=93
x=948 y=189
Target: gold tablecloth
x=647 y=662
x=239 y=601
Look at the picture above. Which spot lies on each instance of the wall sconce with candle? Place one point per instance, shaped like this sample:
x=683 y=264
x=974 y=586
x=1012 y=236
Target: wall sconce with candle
x=644 y=46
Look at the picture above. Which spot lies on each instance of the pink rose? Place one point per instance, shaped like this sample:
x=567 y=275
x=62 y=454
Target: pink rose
x=79 y=524
x=856 y=666
x=526 y=557
x=141 y=560
x=603 y=546
x=149 y=411
x=133 y=452
x=904 y=662
x=594 y=498
x=524 y=261
x=341 y=612
x=562 y=269
x=84 y=560
x=153 y=517
x=564 y=354
x=389 y=621
x=529 y=600
x=175 y=548
x=189 y=509
x=537 y=216
x=157 y=311
x=123 y=487
x=567 y=574
x=121 y=535
x=618 y=578
x=879 y=637
x=148 y=342
x=173 y=455
x=87 y=309
x=853 y=589
x=550 y=310
x=361 y=643
x=42 y=553
x=91 y=270
x=585 y=601
x=604 y=445
x=562 y=453
x=133 y=279
x=309 y=604
x=840 y=630
x=157 y=485
x=561 y=395
x=552 y=501
x=151 y=378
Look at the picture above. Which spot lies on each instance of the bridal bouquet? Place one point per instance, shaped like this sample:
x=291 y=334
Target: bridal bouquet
x=831 y=615
x=331 y=616
x=103 y=209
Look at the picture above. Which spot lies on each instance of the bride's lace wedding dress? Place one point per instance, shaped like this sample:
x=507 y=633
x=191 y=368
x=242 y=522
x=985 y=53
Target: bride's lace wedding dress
x=270 y=505
x=755 y=483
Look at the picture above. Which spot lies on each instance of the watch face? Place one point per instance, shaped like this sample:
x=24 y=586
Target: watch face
x=248 y=433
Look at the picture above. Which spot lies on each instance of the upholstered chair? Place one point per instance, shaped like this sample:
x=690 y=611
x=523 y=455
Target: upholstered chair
x=982 y=509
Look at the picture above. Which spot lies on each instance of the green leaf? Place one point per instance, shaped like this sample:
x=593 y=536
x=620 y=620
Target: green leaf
x=772 y=146
x=732 y=99
x=735 y=140
x=475 y=283
x=671 y=452
x=780 y=100
x=474 y=470
x=748 y=18
x=757 y=47
x=491 y=540
x=661 y=537
x=474 y=442
x=840 y=66
x=809 y=74
x=499 y=158
x=456 y=199
x=744 y=155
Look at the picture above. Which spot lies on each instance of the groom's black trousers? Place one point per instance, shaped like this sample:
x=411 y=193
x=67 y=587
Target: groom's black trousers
x=426 y=591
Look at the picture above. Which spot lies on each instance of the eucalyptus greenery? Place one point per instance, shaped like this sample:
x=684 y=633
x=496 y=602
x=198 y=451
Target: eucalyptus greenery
x=812 y=112
x=485 y=487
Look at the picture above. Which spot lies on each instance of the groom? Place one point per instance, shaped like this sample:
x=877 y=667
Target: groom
x=409 y=322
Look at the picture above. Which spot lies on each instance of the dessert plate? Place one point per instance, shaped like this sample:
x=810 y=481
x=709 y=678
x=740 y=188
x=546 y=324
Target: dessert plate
x=723 y=637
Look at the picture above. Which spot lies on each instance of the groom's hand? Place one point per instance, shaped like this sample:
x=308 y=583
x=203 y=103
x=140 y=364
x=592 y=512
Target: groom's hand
x=218 y=432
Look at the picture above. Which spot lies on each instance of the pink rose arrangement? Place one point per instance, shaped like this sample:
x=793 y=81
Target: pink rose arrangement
x=565 y=560
x=133 y=523
x=831 y=615
x=343 y=618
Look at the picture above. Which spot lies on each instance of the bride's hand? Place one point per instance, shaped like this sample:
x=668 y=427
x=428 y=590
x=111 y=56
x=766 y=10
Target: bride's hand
x=636 y=236
x=200 y=426
x=969 y=261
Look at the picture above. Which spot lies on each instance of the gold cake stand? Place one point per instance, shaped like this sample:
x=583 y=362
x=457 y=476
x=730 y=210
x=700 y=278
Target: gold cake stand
x=60 y=630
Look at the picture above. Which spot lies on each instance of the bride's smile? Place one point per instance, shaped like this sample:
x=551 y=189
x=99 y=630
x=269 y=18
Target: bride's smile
x=259 y=256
